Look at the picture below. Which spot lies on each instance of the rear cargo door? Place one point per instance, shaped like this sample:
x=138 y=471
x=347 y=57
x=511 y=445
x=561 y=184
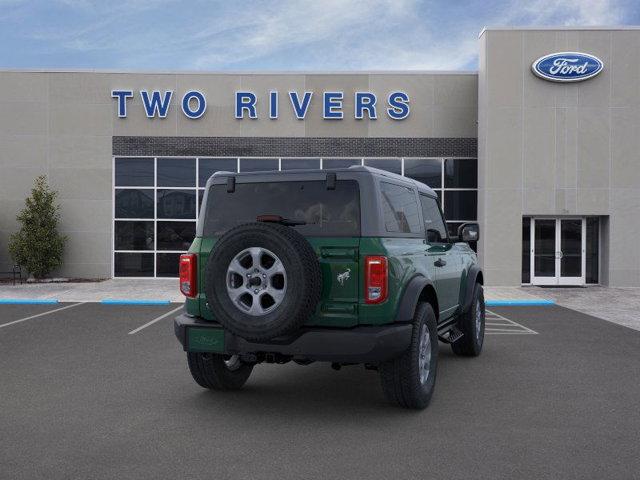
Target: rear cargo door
x=340 y=289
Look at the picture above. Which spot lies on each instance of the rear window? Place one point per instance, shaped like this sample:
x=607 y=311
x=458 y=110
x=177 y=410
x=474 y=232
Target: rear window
x=327 y=213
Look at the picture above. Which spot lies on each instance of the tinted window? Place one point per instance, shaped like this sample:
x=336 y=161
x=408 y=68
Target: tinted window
x=167 y=264
x=134 y=203
x=460 y=205
x=258 y=164
x=461 y=173
x=400 y=209
x=175 y=235
x=526 y=250
x=133 y=264
x=176 y=204
x=176 y=172
x=339 y=162
x=299 y=163
x=425 y=170
x=134 y=172
x=209 y=166
x=327 y=212
x=389 y=164
x=434 y=225
x=133 y=236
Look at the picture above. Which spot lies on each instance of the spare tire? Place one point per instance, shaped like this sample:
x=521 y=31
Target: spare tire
x=262 y=280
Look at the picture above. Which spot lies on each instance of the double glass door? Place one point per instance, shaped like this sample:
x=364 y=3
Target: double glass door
x=558 y=251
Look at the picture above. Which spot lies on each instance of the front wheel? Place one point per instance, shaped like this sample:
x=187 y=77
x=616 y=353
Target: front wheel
x=409 y=380
x=218 y=372
x=471 y=323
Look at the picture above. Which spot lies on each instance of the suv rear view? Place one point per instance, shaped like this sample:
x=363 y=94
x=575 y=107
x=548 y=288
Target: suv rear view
x=311 y=266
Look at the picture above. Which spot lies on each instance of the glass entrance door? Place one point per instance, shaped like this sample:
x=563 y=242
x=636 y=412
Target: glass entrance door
x=558 y=251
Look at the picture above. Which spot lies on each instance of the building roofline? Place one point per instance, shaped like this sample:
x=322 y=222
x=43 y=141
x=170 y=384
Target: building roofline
x=561 y=27
x=238 y=72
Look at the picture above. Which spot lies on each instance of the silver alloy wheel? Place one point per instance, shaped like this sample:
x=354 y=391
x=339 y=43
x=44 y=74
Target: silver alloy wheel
x=256 y=281
x=424 y=354
x=478 y=318
x=233 y=363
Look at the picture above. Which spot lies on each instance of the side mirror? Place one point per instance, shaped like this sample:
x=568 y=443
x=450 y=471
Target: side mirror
x=469 y=232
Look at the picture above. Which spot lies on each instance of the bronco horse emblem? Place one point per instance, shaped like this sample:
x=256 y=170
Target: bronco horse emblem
x=344 y=276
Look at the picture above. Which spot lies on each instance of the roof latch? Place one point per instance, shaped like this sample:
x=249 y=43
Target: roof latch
x=331 y=181
x=231 y=184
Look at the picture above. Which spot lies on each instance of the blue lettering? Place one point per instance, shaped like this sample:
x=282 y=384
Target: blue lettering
x=246 y=101
x=156 y=105
x=200 y=100
x=122 y=96
x=273 y=105
x=300 y=109
x=365 y=101
x=398 y=105
x=332 y=105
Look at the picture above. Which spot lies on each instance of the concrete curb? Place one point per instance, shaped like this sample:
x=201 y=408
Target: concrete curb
x=28 y=301
x=115 y=301
x=518 y=303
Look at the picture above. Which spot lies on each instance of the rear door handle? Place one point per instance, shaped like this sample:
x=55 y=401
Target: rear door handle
x=439 y=263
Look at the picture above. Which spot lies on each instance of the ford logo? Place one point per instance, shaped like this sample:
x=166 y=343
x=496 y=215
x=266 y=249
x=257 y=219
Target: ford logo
x=567 y=67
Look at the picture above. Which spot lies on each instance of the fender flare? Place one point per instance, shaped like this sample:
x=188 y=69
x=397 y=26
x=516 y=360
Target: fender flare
x=472 y=277
x=409 y=299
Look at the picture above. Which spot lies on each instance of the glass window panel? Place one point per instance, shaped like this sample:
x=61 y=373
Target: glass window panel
x=134 y=172
x=175 y=235
x=134 y=203
x=167 y=264
x=425 y=170
x=544 y=261
x=176 y=204
x=400 y=209
x=133 y=235
x=339 y=162
x=325 y=212
x=176 y=172
x=460 y=205
x=209 y=166
x=434 y=225
x=299 y=163
x=571 y=248
x=526 y=250
x=460 y=173
x=133 y=264
x=392 y=165
x=452 y=228
x=593 y=240
x=258 y=164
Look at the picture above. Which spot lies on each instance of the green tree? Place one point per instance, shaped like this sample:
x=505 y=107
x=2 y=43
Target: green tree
x=38 y=246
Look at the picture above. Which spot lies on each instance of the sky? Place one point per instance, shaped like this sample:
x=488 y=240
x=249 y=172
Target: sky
x=275 y=35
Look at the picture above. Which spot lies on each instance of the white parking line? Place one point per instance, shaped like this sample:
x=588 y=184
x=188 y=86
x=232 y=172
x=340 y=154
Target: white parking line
x=40 y=314
x=164 y=315
x=496 y=324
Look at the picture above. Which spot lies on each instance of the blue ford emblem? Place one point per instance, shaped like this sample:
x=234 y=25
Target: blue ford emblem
x=567 y=66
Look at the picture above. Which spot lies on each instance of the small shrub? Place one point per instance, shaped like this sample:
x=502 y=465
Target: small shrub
x=37 y=246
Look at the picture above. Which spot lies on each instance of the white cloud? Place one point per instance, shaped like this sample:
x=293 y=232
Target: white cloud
x=301 y=34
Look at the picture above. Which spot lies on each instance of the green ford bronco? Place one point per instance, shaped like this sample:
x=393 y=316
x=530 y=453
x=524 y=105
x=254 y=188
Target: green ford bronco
x=348 y=266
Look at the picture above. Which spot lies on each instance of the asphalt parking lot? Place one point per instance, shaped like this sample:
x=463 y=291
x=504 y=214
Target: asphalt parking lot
x=555 y=394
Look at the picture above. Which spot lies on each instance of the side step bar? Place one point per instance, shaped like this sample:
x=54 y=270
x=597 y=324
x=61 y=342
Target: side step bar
x=452 y=335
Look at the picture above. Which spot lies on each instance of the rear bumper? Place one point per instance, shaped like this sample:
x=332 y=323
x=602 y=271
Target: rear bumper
x=347 y=345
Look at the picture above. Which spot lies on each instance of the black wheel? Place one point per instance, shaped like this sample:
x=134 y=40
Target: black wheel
x=262 y=280
x=471 y=323
x=409 y=380
x=218 y=372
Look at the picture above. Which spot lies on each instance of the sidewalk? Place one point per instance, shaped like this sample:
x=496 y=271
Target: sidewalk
x=161 y=290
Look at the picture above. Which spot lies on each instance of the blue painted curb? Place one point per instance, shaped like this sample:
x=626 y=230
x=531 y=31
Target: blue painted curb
x=27 y=301
x=114 y=301
x=518 y=303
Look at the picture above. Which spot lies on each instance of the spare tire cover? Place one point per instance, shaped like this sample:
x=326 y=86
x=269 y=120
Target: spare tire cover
x=262 y=280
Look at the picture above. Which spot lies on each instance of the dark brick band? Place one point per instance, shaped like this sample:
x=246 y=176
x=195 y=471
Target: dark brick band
x=295 y=147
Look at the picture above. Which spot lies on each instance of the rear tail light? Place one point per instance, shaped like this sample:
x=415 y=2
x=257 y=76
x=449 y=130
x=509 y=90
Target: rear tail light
x=188 y=272
x=376 y=279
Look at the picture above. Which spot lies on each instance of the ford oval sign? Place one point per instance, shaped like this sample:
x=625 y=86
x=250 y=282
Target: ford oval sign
x=567 y=66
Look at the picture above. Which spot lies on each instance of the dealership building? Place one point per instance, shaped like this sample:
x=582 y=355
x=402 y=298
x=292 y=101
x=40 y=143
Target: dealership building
x=540 y=146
